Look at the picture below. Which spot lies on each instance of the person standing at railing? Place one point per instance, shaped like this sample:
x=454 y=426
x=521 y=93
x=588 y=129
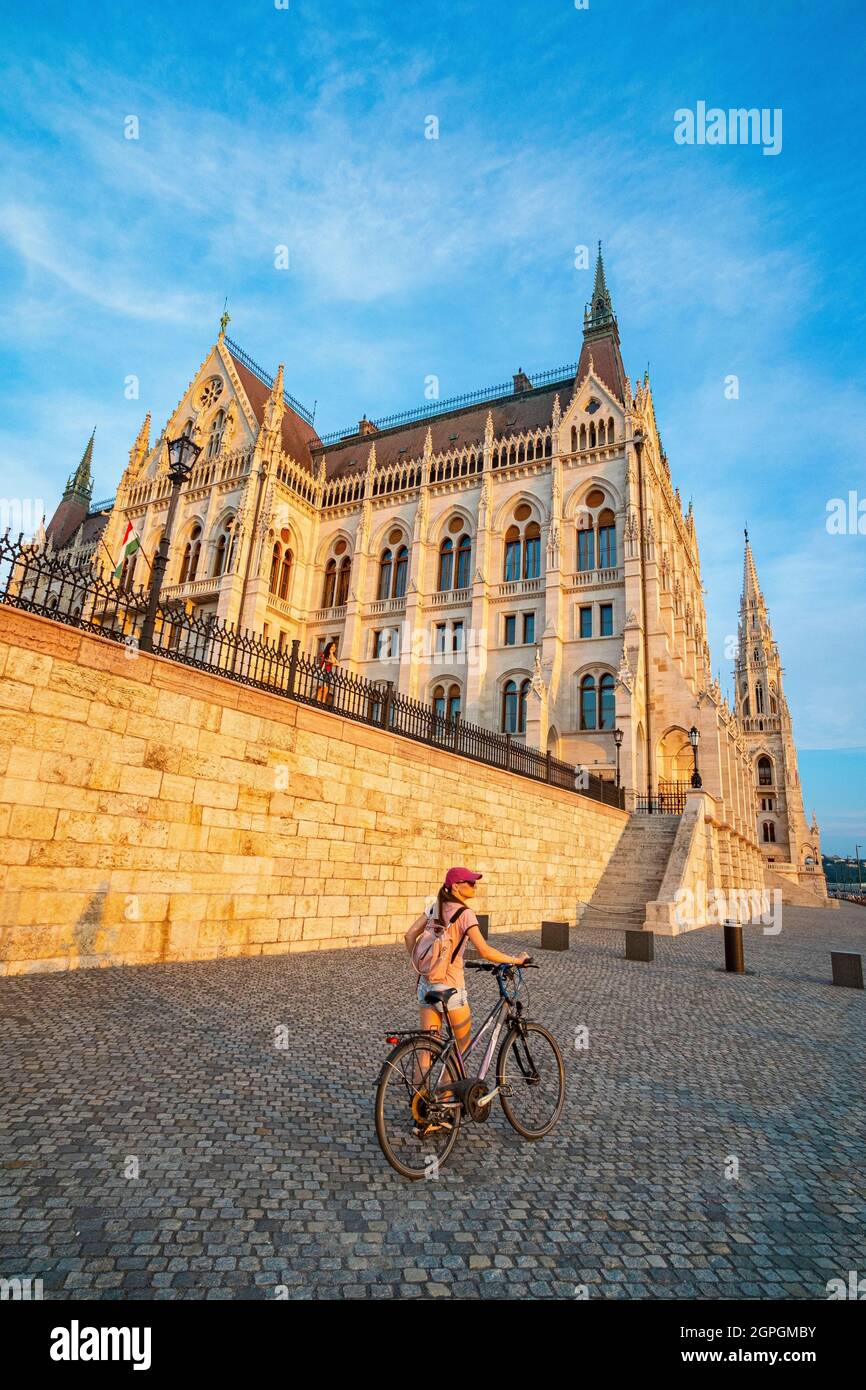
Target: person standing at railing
x=327 y=664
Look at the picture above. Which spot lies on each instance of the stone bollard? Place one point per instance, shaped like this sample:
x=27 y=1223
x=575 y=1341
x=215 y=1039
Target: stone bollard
x=554 y=936
x=734 y=949
x=847 y=969
x=640 y=945
x=484 y=928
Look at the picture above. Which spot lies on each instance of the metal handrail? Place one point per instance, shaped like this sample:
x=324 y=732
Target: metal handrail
x=424 y=412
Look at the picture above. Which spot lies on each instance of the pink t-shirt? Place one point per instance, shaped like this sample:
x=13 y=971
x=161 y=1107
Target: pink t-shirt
x=454 y=977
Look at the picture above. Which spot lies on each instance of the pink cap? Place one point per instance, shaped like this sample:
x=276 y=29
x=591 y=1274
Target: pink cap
x=460 y=876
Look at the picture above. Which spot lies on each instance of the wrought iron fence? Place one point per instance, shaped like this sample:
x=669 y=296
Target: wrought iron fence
x=670 y=800
x=50 y=586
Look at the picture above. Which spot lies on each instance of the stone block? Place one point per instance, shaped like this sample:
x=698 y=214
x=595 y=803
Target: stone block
x=639 y=945
x=554 y=936
x=847 y=969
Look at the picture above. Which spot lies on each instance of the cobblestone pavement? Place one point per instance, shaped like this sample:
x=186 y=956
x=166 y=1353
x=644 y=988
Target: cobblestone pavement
x=259 y=1167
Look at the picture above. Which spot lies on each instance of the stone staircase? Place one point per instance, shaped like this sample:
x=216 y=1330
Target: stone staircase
x=633 y=874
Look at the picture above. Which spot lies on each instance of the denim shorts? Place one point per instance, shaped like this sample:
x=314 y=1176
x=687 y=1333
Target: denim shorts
x=457 y=1001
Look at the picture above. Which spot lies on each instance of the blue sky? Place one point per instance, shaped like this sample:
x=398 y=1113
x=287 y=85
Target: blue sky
x=304 y=127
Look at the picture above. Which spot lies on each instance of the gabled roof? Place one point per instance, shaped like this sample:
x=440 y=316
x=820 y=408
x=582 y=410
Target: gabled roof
x=522 y=410
x=298 y=437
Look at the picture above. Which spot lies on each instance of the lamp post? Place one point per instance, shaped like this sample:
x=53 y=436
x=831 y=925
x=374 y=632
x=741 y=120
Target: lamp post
x=182 y=455
x=694 y=740
x=617 y=738
x=638 y=442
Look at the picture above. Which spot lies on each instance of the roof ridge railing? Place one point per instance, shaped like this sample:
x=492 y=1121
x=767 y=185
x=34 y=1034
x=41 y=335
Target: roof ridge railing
x=100 y=506
x=424 y=412
x=237 y=351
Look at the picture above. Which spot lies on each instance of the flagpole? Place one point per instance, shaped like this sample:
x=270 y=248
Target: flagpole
x=108 y=553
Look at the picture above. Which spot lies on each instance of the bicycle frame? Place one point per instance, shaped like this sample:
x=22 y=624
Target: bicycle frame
x=501 y=1011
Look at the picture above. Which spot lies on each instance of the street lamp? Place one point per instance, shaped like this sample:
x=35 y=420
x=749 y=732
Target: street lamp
x=694 y=740
x=182 y=455
x=617 y=738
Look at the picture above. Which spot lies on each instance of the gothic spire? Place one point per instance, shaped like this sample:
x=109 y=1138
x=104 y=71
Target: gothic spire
x=599 y=311
x=751 y=596
x=80 y=483
x=600 y=354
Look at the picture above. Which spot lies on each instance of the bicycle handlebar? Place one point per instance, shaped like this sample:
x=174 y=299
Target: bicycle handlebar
x=494 y=965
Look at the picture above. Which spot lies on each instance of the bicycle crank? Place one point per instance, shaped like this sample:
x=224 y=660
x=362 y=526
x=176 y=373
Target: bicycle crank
x=477 y=1101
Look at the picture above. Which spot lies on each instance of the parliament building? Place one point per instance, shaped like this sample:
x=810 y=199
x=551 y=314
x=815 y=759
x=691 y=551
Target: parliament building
x=519 y=557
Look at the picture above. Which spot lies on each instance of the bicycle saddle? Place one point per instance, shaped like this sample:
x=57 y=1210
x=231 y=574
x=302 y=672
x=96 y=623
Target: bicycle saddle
x=438 y=996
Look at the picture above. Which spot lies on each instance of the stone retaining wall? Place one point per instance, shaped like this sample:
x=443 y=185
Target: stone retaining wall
x=152 y=812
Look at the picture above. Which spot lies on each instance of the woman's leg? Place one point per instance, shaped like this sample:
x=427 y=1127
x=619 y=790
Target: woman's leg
x=429 y=1019
x=461 y=1022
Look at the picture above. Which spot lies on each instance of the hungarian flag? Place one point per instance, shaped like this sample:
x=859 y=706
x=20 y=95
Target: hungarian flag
x=128 y=546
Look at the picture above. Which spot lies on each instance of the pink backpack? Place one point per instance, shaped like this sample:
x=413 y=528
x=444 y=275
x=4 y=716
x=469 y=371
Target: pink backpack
x=436 y=947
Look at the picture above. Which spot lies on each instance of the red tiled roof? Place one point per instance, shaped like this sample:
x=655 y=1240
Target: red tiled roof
x=607 y=362
x=66 y=521
x=528 y=410
x=297 y=436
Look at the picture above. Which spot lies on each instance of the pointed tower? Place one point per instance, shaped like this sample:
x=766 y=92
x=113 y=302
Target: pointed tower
x=790 y=847
x=75 y=502
x=601 y=337
x=140 y=449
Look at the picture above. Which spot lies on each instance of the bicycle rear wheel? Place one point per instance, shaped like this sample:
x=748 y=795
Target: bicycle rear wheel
x=415 y=1141
x=531 y=1079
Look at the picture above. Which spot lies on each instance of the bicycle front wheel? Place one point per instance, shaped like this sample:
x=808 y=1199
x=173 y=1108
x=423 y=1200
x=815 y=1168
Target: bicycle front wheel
x=531 y=1079
x=415 y=1138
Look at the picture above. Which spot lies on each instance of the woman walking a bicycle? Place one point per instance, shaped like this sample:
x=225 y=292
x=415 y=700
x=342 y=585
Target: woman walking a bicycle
x=454 y=900
x=436 y=1077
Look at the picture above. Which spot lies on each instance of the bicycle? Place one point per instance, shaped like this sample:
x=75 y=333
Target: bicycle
x=424 y=1092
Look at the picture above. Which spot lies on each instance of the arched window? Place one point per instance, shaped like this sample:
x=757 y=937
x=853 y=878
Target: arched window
x=285 y=574
x=606 y=540
x=191 y=552
x=385 y=575
x=446 y=562
x=464 y=562
x=574 y=439
x=401 y=571
x=330 y=584
x=587 y=703
x=769 y=833
x=514 y=706
x=765 y=772
x=220 y=556
x=512 y=553
x=275 y=568
x=343 y=581
x=215 y=438
x=225 y=545
x=759 y=698
x=446 y=701
x=532 y=551
x=523 y=546
x=607 y=702
x=583 y=436
x=586 y=550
